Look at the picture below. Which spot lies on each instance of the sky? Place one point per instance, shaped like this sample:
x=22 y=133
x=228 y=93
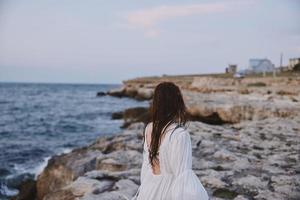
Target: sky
x=101 y=41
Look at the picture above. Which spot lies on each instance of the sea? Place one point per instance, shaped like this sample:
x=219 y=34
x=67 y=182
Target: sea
x=38 y=121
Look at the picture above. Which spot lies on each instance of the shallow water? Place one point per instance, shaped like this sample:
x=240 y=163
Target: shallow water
x=41 y=120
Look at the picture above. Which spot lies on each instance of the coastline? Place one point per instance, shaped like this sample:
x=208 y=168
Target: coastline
x=41 y=120
x=244 y=154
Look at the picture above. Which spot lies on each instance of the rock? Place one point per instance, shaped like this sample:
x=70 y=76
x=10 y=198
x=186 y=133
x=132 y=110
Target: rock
x=286 y=92
x=136 y=92
x=85 y=185
x=224 y=155
x=218 y=101
x=213 y=182
x=116 y=175
x=138 y=114
x=234 y=108
x=120 y=160
x=144 y=94
x=27 y=190
x=251 y=159
x=119 y=92
x=105 y=196
x=250 y=184
x=100 y=94
x=243 y=91
x=267 y=194
x=240 y=164
x=60 y=195
x=142 y=114
x=240 y=197
x=117 y=115
x=209 y=118
x=286 y=185
x=225 y=193
x=103 y=187
x=131 y=92
x=111 y=164
x=131 y=174
x=105 y=154
x=126 y=187
x=63 y=169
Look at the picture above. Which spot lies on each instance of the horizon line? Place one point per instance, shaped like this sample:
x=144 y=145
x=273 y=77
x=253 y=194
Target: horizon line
x=69 y=83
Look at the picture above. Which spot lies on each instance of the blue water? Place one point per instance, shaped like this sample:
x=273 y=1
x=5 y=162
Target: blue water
x=41 y=120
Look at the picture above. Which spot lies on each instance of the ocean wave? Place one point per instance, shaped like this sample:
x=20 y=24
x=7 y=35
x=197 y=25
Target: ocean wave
x=24 y=169
x=5 y=191
x=39 y=169
x=4 y=102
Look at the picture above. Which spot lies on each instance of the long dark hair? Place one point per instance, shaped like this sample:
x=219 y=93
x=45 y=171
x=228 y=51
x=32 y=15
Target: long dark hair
x=167 y=107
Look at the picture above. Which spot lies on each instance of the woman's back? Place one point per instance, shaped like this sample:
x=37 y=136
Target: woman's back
x=167 y=159
x=171 y=177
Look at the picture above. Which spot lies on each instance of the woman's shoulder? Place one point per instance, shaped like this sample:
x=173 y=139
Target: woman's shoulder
x=175 y=130
x=178 y=132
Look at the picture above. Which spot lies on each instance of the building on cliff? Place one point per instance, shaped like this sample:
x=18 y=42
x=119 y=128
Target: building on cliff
x=261 y=65
x=293 y=62
x=231 y=69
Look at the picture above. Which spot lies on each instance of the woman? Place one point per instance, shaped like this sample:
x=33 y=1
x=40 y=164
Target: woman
x=167 y=159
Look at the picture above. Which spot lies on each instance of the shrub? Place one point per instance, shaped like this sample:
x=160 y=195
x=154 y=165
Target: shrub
x=257 y=84
x=297 y=67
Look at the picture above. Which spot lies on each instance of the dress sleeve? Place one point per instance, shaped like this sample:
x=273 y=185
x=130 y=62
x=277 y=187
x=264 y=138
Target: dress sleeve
x=186 y=185
x=145 y=165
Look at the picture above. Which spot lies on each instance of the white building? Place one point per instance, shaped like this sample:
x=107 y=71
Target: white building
x=261 y=65
x=231 y=69
x=293 y=62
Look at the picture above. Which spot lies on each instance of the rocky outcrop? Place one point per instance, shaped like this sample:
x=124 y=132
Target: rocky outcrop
x=132 y=115
x=219 y=109
x=142 y=114
x=118 y=92
x=63 y=169
x=105 y=154
x=209 y=84
x=132 y=92
x=247 y=147
x=234 y=108
x=247 y=160
x=236 y=100
x=216 y=100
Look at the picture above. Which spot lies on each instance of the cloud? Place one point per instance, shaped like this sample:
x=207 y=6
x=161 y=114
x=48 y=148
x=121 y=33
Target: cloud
x=148 y=19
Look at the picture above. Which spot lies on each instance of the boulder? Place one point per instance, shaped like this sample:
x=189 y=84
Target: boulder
x=64 y=169
x=137 y=114
x=118 y=92
x=27 y=190
x=229 y=168
x=100 y=94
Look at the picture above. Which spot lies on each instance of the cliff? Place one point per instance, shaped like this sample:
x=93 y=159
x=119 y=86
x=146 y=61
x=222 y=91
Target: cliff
x=228 y=99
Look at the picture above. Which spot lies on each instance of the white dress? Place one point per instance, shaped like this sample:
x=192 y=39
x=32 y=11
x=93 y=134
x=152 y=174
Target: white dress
x=176 y=180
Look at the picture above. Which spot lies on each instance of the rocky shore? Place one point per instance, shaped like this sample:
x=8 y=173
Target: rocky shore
x=245 y=137
x=230 y=100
